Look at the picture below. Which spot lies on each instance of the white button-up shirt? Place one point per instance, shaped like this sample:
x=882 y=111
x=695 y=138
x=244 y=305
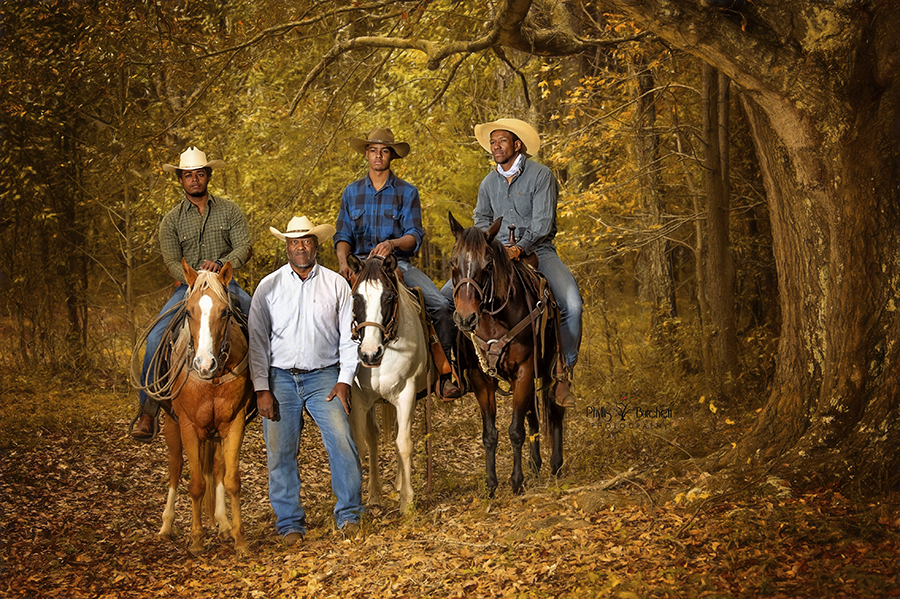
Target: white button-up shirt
x=301 y=324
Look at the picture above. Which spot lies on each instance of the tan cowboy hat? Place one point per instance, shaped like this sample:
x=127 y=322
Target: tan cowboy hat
x=530 y=139
x=382 y=136
x=193 y=159
x=300 y=226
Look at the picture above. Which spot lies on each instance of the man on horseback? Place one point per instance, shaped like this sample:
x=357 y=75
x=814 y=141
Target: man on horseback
x=380 y=215
x=302 y=356
x=206 y=231
x=524 y=193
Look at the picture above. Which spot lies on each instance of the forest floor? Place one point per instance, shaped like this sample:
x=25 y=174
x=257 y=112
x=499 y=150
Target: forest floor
x=80 y=506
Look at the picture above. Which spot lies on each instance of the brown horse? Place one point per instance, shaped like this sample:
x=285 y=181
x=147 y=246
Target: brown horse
x=510 y=317
x=211 y=393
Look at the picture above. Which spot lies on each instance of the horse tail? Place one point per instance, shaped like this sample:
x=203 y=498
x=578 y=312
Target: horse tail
x=207 y=460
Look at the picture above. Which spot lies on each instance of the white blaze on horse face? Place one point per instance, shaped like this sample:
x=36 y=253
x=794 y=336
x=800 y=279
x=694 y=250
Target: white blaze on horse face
x=372 y=338
x=205 y=356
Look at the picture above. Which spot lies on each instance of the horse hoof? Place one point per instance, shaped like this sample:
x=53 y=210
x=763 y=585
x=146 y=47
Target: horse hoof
x=197 y=549
x=242 y=548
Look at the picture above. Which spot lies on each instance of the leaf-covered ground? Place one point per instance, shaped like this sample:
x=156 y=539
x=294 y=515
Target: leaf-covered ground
x=80 y=505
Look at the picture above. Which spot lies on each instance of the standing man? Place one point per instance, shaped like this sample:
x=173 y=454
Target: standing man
x=380 y=215
x=524 y=193
x=207 y=232
x=302 y=356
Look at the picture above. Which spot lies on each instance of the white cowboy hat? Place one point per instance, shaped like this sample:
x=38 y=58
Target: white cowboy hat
x=193 y=159
x=383 y=136
x=300 y=226
x=530 y=139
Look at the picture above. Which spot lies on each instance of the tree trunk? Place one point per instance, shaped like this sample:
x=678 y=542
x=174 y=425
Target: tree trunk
x=657 y=283
x=824 y=108
x=719 y=263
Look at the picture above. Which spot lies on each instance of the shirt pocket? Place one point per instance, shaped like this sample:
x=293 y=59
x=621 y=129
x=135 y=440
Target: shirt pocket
x=523 y=201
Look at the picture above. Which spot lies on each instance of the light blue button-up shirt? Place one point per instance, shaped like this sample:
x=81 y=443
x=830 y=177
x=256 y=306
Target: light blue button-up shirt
x=301 y=324
x=529 y=203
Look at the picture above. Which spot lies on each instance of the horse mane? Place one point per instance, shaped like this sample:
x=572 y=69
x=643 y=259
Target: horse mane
x=373 y=270
x=207 y=279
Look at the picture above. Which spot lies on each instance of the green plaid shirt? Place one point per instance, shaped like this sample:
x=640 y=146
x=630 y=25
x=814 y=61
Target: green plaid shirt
x=221 y=233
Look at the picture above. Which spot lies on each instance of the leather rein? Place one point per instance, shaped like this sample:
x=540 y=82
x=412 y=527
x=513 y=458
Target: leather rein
x=490 y=351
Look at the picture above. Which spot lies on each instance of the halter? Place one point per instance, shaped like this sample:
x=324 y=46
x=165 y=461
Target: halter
x=485 y=294
x=389 y=331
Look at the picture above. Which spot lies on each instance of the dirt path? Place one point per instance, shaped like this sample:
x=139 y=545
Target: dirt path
x=79 y=512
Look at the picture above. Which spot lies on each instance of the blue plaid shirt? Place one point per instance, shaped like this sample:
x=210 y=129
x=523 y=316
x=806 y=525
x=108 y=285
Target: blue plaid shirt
x=368 y=217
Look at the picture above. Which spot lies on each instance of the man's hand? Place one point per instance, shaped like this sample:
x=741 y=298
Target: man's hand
x=342 y=392
x=513 y=251
x=265 y=403
x=344 y=270
x=210 y=265
x=383 y=249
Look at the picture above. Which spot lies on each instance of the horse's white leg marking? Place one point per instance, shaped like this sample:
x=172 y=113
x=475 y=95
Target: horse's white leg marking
x=221 y=515
x=404 y=444
x=168 y=514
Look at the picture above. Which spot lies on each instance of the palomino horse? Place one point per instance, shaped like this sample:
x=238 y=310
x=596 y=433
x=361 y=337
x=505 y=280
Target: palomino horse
x=394 y=362
x=211 y=392
x=503 y=308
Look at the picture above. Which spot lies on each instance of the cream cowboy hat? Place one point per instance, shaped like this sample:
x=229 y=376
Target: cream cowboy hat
x=530 y=139
x=192 y=159
x=382 y=136
x=300 y=226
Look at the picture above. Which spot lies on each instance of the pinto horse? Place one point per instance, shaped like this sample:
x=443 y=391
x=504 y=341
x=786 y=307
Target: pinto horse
x=394 y=365
x=211 y=391
x=509 y=316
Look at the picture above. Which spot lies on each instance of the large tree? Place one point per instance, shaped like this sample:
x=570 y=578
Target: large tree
x=819 y=84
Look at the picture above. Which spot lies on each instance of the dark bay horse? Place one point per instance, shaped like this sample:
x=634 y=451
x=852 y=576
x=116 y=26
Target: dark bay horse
x=211 y=391
x=394 y=364
x=509 y=316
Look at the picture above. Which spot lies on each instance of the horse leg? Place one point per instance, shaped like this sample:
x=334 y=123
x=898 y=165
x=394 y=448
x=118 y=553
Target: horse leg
x=376 y=496
x=533 y=430
x=485 y=394
x=406 y=403
x=197 y=485
x=555 y=416
x=172 y=435
x=523 y=398
x=231 y=482
x=215 y=487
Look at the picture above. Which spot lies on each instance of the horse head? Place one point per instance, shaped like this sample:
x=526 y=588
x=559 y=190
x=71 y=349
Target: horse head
x=208 y=310
x=476 y=259
x=375 y=305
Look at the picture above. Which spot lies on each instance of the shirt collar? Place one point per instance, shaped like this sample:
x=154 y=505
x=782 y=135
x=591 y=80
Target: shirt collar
x=387 y=184
x=312 y=273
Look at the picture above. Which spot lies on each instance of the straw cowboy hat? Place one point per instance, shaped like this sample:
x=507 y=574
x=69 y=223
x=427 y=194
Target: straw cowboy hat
x=530 y=139
x=300 y=226
x=193 y=159
x=382 y=136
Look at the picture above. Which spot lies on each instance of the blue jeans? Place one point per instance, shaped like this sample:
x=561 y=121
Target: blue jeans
x=565 y=290
x=154 y=338
x=439 y=308
x=294 y=392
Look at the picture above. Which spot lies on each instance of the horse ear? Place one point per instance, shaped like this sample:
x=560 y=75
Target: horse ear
x=455 y=227
x=354 y=263
x=390 y=264
x=190 y=275
x=492 y=230
x=225 y=274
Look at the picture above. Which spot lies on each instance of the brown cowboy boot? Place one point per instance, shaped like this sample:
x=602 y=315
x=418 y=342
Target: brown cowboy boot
x=449 y=390
x=143 y=428
x=562 y=392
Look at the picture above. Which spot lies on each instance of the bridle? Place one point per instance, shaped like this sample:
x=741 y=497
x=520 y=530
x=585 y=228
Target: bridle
x=486 y=293
x=221 y=358
x=388 y=331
